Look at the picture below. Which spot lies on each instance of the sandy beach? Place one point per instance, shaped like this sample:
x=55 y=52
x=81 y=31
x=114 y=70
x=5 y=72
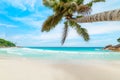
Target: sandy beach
x=36 y=69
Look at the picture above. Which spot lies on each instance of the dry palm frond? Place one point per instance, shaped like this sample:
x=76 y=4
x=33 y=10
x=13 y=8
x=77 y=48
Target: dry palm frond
x=83 y=9
x=83 y=32
x=74 y=6
x=64 y=33
x=51 y=22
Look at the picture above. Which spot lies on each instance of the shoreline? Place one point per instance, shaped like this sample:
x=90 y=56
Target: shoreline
x=14 y=47
x=37 y=69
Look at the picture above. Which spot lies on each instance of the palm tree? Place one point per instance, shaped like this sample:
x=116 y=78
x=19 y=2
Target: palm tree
x=113 y=15
x=67 y=10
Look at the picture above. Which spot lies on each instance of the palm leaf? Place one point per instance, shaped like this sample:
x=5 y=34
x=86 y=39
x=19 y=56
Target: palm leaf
x=72 y=23
x=80 y=2
x=94 y=1
x=84 y=9
x=64 y=33
x=83 y=32
x=79 y=16
x=51 y=22
x=98 y=0
x=50 y=3
x=65 y=1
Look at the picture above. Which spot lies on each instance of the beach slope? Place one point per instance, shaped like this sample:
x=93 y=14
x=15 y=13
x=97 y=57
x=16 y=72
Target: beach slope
x=33 y=69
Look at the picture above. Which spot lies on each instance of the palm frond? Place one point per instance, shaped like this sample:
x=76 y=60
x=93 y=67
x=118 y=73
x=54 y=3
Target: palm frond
x=65 y=32
x=98 y=0
x=79 y=16
x=94 y=1
x=72 y=23
x=58 y=8
x=50 y=3
x=65 y=1
x=82 y=32
x=51 y=22
x=83 y=9
x=80 y=2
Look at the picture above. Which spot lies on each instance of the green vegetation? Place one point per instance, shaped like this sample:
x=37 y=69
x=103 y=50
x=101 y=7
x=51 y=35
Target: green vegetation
x=67 y=10
x=118 y=40
x=5 y=43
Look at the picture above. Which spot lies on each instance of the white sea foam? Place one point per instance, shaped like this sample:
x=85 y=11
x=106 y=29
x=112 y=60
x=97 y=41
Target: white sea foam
x=97 y=49
x=29 y=51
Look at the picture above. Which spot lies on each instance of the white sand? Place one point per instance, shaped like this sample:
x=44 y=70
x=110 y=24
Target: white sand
x=32 y=69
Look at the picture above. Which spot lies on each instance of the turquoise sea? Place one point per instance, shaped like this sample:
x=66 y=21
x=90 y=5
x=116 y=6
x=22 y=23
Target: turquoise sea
x=63 y=53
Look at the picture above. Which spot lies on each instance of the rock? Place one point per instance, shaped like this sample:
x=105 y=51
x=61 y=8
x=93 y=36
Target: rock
x=115 y=48
x=108 y=46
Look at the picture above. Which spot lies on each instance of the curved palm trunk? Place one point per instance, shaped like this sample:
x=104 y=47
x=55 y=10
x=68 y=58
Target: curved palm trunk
x=113 y=15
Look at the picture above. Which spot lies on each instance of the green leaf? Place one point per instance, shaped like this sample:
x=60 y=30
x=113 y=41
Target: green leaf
x=72 y=23
x=98 y=1
x=79 y=16
x=51 y=22
x=82 y=32
x=90 y=4
x=80 y=2
x=94 y=1
x=50 y=3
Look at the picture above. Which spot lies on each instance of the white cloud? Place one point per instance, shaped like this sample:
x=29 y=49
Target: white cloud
x=2 y=35
x=32 y=39
x=7 y=25
x=102 y=27
x=24 y=4
x=105 y=6
x=34 y=20
x=30 y=21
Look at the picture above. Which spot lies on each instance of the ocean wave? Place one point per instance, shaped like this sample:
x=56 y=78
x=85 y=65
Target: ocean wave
x=67 y=52
x=97 y=49
x=54 y=54
x=29 y=51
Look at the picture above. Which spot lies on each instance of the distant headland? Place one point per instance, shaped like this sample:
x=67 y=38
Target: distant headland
x=4 y=43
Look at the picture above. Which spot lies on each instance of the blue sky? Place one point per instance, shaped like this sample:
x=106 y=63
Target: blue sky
x=21 y=21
